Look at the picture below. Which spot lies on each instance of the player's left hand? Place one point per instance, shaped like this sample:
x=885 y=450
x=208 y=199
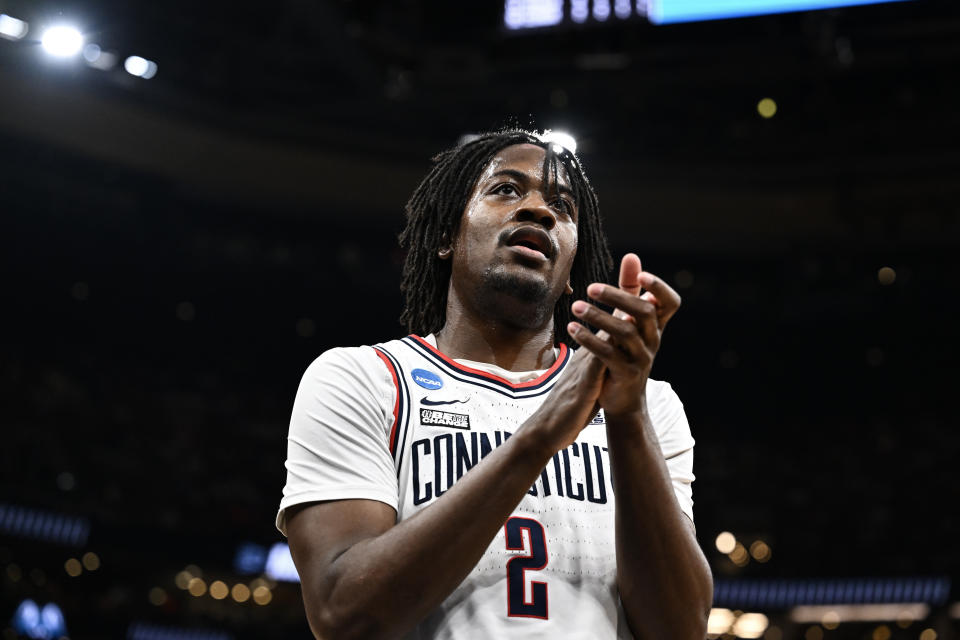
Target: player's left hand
x=632 y=337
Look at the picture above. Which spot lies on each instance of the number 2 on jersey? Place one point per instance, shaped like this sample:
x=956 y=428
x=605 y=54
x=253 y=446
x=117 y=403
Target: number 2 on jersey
x=520 y=603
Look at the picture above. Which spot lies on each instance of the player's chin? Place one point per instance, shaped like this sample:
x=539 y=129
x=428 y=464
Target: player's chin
x=520 y=281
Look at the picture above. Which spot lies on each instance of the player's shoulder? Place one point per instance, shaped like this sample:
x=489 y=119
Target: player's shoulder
x=353 y=361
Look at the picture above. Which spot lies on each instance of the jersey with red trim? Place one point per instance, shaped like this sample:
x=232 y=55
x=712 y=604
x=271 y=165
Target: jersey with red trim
x=401 y=423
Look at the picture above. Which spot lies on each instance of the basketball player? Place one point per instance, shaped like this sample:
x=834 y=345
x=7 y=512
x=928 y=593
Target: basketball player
x=478 y=479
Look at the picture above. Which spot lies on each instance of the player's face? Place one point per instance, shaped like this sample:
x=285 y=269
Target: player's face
x=518 y=233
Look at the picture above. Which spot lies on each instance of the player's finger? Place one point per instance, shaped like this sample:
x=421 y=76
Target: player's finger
x=645 y=315
x=604 y=350
x=630 y=269
x=623 y=333
x=668 y=300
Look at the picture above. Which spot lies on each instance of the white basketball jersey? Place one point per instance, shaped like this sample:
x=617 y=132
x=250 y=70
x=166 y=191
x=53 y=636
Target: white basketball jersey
x=550 y=572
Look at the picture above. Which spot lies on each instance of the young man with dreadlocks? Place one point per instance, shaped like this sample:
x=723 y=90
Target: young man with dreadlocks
x=476 y=479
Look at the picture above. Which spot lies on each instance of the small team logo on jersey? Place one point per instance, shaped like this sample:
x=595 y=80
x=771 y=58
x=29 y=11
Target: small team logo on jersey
x=434 y=418
x=426 y=379
x=437 y=401
x=599 y=419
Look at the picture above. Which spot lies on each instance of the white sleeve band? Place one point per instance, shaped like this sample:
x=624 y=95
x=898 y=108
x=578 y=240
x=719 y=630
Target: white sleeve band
x=337 y=447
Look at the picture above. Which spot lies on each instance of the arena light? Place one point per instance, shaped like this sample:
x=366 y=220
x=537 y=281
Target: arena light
x=44 y=623
x=43 y=525
x=250 y=559
x=533 y=14
x=140 y=67
x=560 y=138
x=750 y=625
x=279 y=565
x=150 y=631
x=601 y=10
x=12 y=28
x=783 y=593
x=816 y=614
x=62 y=41
x=720 y=621
x=670 y=11
x=530 y=14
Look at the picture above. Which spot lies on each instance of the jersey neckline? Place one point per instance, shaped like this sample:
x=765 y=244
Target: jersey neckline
x=547 y=374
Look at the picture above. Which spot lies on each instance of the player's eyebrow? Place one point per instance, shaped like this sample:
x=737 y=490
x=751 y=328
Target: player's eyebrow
x=520 y=176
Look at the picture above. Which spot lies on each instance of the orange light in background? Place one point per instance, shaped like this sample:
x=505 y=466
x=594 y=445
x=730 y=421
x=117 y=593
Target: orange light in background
x=881 y=633
x=157 y=596
x=219 y=590
x=928 y=634
x=725 y=542
x=262 y=595
x=760 y=551
x=720 y=621
x=197 y=587
x=886 y=275
x=739 y=555
x=750 y=625
x=14 y=572
x=91 y=561
x=73 y=567
x=879 y=612
x=767 y=108
x=831 y=620
x=240 y=592
x=182 y=580
x=813 y=633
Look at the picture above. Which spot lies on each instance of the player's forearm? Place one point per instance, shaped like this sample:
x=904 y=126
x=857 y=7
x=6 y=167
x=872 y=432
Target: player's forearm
x=664 y=580
x=383 y=586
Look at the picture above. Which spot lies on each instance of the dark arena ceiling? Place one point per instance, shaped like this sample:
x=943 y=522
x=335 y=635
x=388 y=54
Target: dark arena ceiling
x=177 y=250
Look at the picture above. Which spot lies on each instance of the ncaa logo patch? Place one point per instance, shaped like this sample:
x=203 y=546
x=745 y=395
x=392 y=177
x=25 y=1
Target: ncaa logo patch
x=426 y=379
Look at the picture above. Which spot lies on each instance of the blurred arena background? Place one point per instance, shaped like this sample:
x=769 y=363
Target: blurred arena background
x=199 y=198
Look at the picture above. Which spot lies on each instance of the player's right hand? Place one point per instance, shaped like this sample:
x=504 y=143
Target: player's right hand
x=571 y=405
x=573 y=401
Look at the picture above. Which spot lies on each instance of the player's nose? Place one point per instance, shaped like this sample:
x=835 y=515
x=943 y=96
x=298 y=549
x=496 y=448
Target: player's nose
x=533 y=208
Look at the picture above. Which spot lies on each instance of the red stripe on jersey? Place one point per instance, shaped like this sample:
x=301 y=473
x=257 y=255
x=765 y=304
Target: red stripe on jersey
x=529 y=383
x=396 y=403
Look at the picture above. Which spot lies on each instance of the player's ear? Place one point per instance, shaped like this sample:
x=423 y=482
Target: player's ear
x=569 y=289
x=445 y=250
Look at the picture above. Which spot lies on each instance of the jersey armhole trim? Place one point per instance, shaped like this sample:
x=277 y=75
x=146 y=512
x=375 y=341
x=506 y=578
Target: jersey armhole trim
x=392 y=440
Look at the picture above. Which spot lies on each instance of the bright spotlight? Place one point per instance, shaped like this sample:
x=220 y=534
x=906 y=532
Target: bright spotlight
x=560 y=138
x=140 y=67
x=62 y=42
x=11 y=28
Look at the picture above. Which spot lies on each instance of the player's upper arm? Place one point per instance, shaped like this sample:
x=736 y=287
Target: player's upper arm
x=319 y=534
x=341 y=483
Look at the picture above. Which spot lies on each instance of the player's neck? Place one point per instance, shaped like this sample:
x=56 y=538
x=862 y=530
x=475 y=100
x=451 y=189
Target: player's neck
x=469 y=336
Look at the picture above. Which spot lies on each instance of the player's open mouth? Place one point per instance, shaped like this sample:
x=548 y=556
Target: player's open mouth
x=532 y=242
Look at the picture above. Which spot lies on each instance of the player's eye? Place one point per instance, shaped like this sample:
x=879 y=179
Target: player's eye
x=563 y=206
x=506 y=189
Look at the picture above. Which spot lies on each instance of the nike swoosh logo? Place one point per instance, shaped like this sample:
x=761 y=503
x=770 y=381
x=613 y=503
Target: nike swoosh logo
x=437 y=403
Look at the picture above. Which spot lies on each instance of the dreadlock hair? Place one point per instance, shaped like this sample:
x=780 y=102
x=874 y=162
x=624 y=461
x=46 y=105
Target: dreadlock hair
x=436 y=207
